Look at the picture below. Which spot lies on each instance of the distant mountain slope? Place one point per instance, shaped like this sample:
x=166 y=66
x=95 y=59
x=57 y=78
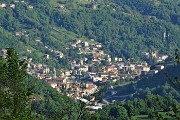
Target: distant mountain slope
x=126 y=28
x=167 y=10
x=7 y=40
x=28 y=26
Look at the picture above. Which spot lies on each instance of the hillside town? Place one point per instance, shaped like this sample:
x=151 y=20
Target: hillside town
x=80 y=81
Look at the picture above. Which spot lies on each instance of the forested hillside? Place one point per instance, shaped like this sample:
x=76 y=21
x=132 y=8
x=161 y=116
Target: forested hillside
x=126 y=28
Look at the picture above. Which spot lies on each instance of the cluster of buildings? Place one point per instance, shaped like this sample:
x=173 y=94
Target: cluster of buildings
x=66 y=83
x=154 y=55
x=114 y=69
x=13 y=4
x=80 y=81
x=22 y=33
x=3 y=5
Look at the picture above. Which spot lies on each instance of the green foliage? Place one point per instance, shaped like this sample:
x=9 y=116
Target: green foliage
x=126 y=28
x=151 y=105
x=14 y=94
x=113 y=112
x=121 y=25
x=26 y=98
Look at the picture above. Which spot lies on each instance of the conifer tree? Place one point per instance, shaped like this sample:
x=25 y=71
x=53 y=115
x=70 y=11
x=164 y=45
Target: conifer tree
x=14 y=94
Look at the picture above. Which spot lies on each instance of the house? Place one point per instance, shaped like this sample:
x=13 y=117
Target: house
x=116 y=59
x=83 y=68
x=103 y=75
x=91 y=74
x=144 y=64
x=152 y=72
x=20 y=33
x=104 y=79
x=73 y=64
x=85 y=44
x=46 y=56
x=120 y=60
x=29 y=50
x=3 y=5
x=67 y=73
x=138 y=68
x=72 y=46
x=44 y=70
x=33 y=66
x=77 y=41
x=159 y=67
x=30 y=7
x=120 y=66
x=29 y=60
x=55 y=82
x=92 y=109
x=154 y=54
x=83 y=100
x=90 y=88
x=93 y=48
x=162 y=58
x=146 y=68
x=130 y=67
x=81 y=61
x=110 y=68
x=86 y=49
x=53 y=85
x=38 y=40
x=39 y=66
x=85 y=59
x=60 y=7
x=99 y=52
x=60 y=55
x=12 y=5
x=113 y=77
x=97 y=78
x=67 y=85
x=95 y=60
x=108 y=59
x=98 y=45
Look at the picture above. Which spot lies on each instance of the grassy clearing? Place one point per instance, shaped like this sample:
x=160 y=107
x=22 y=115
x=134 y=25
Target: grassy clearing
x=61 y=33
